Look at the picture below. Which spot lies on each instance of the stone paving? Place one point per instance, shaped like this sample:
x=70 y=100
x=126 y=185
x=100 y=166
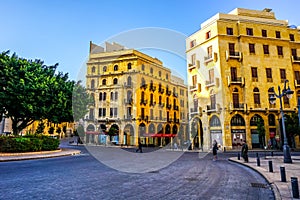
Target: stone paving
x=282 y=190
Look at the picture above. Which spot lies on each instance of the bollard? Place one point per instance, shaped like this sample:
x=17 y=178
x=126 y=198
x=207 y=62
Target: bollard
x=270 y=166
x=282 y=174
x=256 y=155
x=239 y=157
x=295 y=188
x=272 y=153
x=257 y=161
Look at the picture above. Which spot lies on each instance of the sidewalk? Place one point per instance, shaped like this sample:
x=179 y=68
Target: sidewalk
x=37 y=155
x=282 y=190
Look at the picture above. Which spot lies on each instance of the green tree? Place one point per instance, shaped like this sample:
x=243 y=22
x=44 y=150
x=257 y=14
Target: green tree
x=292 y=127
x=261 y=132
x=30 y=91
x=81 y=99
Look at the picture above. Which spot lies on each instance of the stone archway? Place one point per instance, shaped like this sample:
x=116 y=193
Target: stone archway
x=196 y=133
x=114 y=133
x=129 y=135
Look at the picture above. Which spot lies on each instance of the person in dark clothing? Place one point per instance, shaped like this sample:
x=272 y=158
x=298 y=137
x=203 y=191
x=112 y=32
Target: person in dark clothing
x=139 y=148
x=245 y=151
x=215 y=149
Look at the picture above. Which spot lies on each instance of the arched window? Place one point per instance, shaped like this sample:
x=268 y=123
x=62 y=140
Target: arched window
x=104 y=82
x=255 y=119
x=174 y=129
x=115 y=81
x=129 y=81
x=256 y=97
x=237 y=120
x=104 y=68
x=93 y=84
x=93 y=69
x=151 y=128
x=271 y=119
x=129 y=95
x=214 y=121
x=116 y=67
x=129 y=66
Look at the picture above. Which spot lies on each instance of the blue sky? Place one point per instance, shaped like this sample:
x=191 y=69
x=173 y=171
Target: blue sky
x=59 y=31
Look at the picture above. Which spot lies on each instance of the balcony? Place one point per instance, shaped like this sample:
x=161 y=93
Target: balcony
x=161 y=90
x=211 y=108
x=194 y=65
x=176 y=121
x=175 y=94
x=126 y=85
x=238 y=107
x=169 y=120
x=269 y=80
x=143 y=101
x=128 y=118
x=143 y=85
x=297 y=83
x=234 y=55
x=196 y=87
x=295 y=59
x=196 y=111
x=161 y=105
x=169 y=106
x=208 y=59
x=128 y=101
x=236 y=81
x=257 y=105
x=168 y=92
x=175 y=107
x=143 y=117
x=272 y=105
x=152 y=103
x=152 y=88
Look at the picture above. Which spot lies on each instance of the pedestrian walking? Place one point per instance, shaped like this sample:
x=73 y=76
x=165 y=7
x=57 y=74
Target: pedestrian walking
x=215 y=150
x=139 y=148
x=245 y=151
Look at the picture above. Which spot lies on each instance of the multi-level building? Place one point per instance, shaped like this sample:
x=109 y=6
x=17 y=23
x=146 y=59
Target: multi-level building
x=234 y=60
x=136 y=97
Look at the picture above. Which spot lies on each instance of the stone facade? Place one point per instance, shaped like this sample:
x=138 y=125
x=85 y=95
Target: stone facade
x=233 y=61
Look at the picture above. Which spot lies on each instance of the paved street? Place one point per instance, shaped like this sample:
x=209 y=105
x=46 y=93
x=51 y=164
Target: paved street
x=83 y=177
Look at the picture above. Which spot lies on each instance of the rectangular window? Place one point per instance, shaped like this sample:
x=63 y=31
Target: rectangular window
x=294 y=52
x=115 y=112
x=266 y=49
x=211 y=74
x=277 y=33
x=233 y=73
x=91 y=114
x=264 y=33
x=286 y=101
x=297 y=75
x=249 y=31
x=231 y=49
x=282 y=74
x=111 y=112
x=252 y=48
x=143 y=112
x=129 y=112
x=160 y=114
x=192 y=43
x=209 y=52
x=254 y=74
x=104 y=112
x=269 y=74
x=193 y=59
x=279 y=51
x=292 y=37
x=100 y=112
x=208 y=35
x=229 y=31
x=256 y=98
x=151 y=114
x=194 y=80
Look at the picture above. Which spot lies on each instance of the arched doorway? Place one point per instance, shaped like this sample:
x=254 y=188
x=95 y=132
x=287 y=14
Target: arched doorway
x=168 y=131
x=142 y=133
x=197 y=133
x=238 y=131
x=151 y=131
x=160 y=130
x=129 y=135
x=114 y=134
x=89 y=134
x=257 y=131
x=215 y=130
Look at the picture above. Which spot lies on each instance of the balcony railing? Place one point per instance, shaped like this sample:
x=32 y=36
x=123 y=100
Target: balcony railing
x=234 y=55
x=238 y=106
x=143 y=101
x=175 y=94
x=168 y=92
x=143 y=86
x=175 y=107
x=161 y=90
x=194 y=65
x=235 y=81
x=295 y=59
x=152 y=103
x=208 y=58
x=152 y=88
x=127 y=85
x=161 y=105
x=169 y=106
x=128 y=101
x=297 y=83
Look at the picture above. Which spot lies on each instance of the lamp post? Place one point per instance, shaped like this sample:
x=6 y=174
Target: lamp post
x=288 y=93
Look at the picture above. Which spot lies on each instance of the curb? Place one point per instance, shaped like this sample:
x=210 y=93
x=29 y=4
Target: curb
x=273 y=186
x=39 y=155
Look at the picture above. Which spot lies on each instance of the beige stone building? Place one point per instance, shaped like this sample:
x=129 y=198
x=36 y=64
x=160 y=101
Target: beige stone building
x=136 y=98
x=233 y=62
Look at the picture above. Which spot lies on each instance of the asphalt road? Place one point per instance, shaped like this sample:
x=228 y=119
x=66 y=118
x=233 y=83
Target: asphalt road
x=84 y=177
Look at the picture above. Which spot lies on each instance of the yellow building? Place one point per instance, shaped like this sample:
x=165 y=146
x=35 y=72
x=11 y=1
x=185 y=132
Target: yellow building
x=136 y=97
x=233 y=62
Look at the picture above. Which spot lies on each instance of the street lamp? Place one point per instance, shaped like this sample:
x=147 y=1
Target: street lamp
x=288 y=93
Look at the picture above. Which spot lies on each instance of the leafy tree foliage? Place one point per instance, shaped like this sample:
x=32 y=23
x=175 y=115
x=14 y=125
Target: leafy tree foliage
x=30 y=90
x=80 y=101
x=261 y=132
